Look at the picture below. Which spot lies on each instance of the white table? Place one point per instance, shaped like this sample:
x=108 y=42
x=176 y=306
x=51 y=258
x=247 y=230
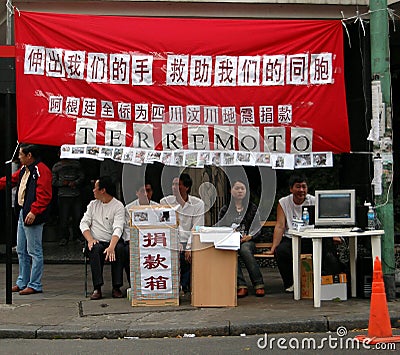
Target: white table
x=316 y=235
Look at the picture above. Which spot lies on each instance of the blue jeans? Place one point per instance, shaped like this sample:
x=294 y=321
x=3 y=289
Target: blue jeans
x=246 y=253
x=29 y=249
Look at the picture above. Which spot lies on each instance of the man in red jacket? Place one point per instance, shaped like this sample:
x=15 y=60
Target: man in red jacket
x=32 y=199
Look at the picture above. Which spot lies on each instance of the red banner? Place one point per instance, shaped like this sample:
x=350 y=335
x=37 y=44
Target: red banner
x=167 y=83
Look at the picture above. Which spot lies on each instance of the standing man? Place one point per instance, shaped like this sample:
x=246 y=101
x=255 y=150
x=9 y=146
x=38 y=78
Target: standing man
x=289 y=209
x=68 y=177
x=32 y=199
x=102 y=226
x=190 y=214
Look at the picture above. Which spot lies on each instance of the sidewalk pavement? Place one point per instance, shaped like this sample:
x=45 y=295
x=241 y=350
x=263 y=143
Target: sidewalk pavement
x=62 y=311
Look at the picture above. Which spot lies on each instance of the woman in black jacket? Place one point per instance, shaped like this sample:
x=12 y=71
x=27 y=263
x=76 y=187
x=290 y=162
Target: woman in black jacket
x=242 y=215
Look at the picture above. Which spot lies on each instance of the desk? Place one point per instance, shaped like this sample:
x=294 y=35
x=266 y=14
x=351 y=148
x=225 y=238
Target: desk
x=316 y=235
x=214 y=274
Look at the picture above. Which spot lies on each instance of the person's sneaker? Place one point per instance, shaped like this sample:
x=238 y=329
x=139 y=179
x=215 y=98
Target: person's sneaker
x=63 y=242
x=290 y=289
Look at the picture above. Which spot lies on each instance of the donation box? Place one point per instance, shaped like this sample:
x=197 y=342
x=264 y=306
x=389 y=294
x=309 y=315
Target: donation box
x=213 y=275
x=154 y=255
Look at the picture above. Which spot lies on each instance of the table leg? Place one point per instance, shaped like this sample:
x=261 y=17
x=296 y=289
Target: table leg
x=353 y=260
x=376 y=248
x=296 y=266
x=317 y=255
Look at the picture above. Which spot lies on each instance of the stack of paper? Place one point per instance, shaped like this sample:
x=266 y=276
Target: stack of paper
x=230 y=242
x=222 y=237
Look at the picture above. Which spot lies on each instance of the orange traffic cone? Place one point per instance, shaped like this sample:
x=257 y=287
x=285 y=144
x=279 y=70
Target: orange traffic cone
x=379 y=328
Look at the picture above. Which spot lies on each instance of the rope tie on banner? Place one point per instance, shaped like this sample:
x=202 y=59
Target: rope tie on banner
x=13 y=154
x=359 y=19
x=11 y=9
x=345 y=27
x=392 y=14
x=9 y=6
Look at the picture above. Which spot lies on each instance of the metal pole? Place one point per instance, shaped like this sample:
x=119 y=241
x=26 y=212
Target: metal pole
x=9 y=152
x=380 y=69
x=8 y=221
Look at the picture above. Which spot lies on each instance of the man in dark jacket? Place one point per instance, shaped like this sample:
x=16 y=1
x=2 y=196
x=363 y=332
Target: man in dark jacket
x=68 y=178
x=32 y=199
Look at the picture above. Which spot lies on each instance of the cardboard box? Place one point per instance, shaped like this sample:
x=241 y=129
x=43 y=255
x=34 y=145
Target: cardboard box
x=334 y=287
x=306 y=272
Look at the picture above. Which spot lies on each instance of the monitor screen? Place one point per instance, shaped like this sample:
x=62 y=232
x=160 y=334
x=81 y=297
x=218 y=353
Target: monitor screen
x=335 y=208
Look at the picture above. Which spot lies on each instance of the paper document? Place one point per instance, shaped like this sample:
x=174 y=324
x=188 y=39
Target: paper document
x=231 y=242
x=203 y=229
x=222 y=237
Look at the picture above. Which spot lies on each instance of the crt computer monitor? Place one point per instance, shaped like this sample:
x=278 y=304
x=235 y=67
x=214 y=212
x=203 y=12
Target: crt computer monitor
x=335 y=208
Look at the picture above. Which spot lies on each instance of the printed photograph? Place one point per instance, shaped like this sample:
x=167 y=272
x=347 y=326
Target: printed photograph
x=164 y=216
x=302 y=161
x=320 y=159
x=128 y=155
x=191 y=158
x=140 y=157
x=78 y=150
x=178 y=158
x=153 y=156
x=140 y=216
x=216 y=158
x=166 y=158
x=92 y=150
x=106 y=152
x=204 y=159
x=263 y=159
x=118 y=153
x=229 y=158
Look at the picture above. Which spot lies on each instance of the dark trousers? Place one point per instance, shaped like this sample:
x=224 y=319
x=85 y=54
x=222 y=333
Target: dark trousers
x=127 y=261
x=185 y=270
x=284 y=258
x=97 y=259
x=69 y=207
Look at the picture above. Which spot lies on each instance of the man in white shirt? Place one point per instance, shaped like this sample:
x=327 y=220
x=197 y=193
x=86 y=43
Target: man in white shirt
x=102 y=226
x=143 y=194
x=190 y=210
x=288 y=211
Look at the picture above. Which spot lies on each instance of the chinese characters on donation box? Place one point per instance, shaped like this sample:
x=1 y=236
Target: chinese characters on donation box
x=154 y=256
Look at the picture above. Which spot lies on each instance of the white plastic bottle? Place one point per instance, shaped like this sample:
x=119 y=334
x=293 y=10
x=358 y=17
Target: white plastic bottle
x=306 y=216
x=371 y=218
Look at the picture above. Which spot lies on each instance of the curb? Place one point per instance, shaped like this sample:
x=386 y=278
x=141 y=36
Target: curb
x=225 y=328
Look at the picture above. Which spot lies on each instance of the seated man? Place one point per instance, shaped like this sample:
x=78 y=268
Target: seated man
x=190 y=214
x=290 y=208
x=143 y=194
x=102 y=226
